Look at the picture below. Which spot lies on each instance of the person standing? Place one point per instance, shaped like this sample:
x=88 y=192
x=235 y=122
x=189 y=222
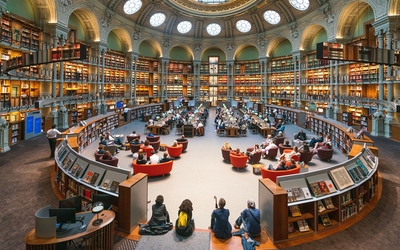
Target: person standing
x=220 y=221
x=52 y=137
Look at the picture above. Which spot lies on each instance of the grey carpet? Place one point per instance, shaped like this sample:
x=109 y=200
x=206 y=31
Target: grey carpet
x=172 y=241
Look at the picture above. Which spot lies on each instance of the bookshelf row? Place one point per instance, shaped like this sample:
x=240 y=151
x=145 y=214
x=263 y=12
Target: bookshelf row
x=320 y=200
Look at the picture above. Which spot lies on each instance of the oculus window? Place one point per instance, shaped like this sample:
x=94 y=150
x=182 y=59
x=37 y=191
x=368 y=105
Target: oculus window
x=213 y=29
x=184 y=27
x=243 y=26
x=272 y=17
x=300 y=4
x=132 y=6
x=157 y=19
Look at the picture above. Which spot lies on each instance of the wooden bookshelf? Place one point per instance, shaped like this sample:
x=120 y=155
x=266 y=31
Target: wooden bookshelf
x=349 y=204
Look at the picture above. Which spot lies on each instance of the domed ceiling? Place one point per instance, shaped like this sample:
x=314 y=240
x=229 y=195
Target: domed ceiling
x=216 y=19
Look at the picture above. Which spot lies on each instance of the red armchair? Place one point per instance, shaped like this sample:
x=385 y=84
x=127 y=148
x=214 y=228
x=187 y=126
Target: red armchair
x=153 y=138
x=238 y=161
x=226 y=155
x=131 y=138
x=272 y=153
x=153 y=169
x=325 y=154
x=148 y=150
x=135 y=147
x=175 y=151
x=111 y=162
x=184 y=145
x=272 y=174
x=155 y=145
x=306 y=157
x=282 y=148
x=97 y=156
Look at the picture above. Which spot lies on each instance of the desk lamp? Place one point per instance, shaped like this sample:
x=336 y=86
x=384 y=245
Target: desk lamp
x=97 y=208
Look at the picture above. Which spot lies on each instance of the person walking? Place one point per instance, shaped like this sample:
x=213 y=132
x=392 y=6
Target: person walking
x=52 y=137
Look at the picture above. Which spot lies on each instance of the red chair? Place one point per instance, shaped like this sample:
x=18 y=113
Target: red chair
x=295 y=157
x=255 y=158
x=153 y=169
x=135 y=147
x=272 y=153
x=153 y=138
x=148 y=150
x=175 y=151
x=238 y=161
x=131 y=138
x=306 y=157
x=155 y=145
x=184 y=145
x=272 y=174
x=111 y=162
x=97 y=156
x=226 y=155
x=325 y=154
x=282 y=148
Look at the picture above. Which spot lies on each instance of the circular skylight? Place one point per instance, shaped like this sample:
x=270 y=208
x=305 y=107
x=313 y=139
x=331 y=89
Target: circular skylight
x=132 y=6
x=157 y=19
x=272 y=17
x=213 y=29
x=300 y=4
x=184 y=27
x=243 y=26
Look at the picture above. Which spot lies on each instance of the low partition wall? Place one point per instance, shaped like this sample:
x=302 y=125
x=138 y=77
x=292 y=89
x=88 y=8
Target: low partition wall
x=77 y=175
x=310 y=203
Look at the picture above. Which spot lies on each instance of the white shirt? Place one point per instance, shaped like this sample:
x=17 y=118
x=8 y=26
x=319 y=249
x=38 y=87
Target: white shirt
x=52 y=133
x=154 y=159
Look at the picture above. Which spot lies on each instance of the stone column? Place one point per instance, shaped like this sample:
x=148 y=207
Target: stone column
x=330 y=108
x=103 y=66
x=53 y=115
x=62 y=111
x=4 y=135
x=378 y=117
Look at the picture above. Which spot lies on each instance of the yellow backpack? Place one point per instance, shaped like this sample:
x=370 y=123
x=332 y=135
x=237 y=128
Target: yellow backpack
x=182 y=219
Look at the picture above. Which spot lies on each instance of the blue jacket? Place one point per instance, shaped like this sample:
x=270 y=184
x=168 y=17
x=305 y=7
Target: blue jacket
x=220 y=223
x=251 y=219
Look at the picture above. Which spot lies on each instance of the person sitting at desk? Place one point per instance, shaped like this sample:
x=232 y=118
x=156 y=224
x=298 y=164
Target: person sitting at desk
x=200 y=128
x=166 y=158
